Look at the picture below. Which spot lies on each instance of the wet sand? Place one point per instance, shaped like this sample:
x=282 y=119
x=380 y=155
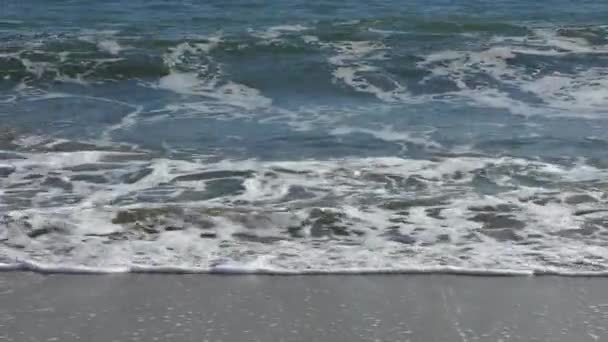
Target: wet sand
x=147 y=307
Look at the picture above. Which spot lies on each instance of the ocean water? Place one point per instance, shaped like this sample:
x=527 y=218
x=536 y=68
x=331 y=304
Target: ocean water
x=304 y=136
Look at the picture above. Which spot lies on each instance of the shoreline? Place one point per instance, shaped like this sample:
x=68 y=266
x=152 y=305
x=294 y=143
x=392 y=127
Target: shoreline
x=38 y=268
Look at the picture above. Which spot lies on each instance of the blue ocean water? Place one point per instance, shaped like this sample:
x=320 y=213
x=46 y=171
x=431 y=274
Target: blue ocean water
x=304 y=136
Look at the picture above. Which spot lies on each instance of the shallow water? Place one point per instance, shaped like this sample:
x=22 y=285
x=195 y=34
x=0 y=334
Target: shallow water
x=304 y=136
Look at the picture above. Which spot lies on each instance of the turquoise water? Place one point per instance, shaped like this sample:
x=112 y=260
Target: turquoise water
x=301 y=136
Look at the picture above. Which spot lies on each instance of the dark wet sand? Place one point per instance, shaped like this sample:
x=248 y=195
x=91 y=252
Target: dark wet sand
x=140 y=307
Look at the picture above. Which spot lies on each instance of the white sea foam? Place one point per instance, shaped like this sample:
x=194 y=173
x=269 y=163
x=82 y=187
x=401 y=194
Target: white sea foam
x=183 y=83
x=110 y=46
x=289 y=28
x=104 y=39
x=246 y=229
x=549 y=42
x=354 y=59
x=36 y=68
x=228 y=93
x=578 y=92
x=274 y=33
x=309 y=39
x=194 y=72
x=581 y=92
x=388 y=133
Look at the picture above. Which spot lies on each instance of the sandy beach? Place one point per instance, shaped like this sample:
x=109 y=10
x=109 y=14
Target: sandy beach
x=145 y=307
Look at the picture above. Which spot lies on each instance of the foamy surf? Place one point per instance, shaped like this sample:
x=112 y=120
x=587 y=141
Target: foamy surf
x=101 y=210
x=359 y=145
